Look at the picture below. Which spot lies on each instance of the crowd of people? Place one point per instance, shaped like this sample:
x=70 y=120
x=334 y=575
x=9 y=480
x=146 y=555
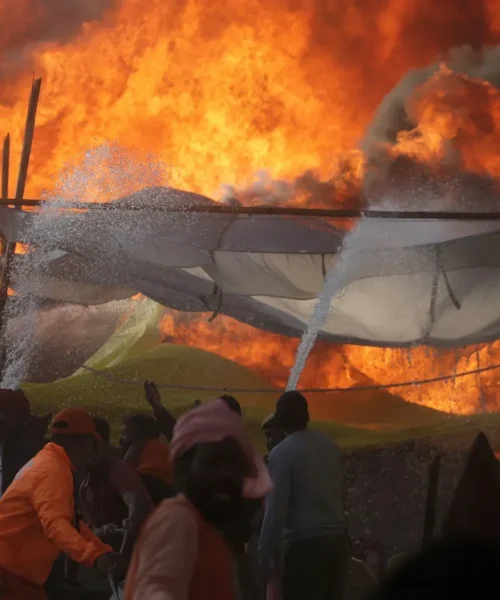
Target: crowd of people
x=182 y=510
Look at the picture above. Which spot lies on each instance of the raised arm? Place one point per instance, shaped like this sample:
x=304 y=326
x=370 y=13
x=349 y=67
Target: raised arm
x=165 y=419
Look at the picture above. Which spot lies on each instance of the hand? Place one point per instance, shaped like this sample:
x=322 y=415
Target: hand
x=153 y=396
x=110 y=562
x=108 y=529
x=110 y=534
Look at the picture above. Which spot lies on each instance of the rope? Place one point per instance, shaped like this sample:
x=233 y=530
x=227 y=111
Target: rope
x=360 y=388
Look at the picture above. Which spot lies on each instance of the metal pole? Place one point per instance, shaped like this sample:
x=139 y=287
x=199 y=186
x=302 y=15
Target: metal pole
x=21 y=185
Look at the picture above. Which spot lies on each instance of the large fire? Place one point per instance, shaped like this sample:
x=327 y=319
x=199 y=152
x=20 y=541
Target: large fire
x=345 y=366
x=220 y=91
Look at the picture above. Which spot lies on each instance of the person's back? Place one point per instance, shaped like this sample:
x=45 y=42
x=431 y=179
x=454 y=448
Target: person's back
x=315 y=503
x=304 y=509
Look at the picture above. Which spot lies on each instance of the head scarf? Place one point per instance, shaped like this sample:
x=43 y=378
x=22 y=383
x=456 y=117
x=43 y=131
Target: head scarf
x=212 y=422
x=15 y=401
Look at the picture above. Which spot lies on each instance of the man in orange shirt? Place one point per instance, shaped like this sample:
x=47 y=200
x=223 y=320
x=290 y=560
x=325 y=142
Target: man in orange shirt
x=38 y=517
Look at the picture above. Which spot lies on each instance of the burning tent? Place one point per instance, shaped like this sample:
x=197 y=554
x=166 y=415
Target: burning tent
x=404 y=282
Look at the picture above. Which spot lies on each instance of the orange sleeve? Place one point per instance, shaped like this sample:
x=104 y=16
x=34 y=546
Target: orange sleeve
x=165 y=556
x=52 y=499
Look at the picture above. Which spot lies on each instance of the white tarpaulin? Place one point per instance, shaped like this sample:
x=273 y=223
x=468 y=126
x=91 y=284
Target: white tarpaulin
x=409 y=282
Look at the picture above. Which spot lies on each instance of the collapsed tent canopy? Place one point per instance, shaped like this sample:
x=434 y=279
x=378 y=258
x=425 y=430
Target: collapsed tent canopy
x=404 y=282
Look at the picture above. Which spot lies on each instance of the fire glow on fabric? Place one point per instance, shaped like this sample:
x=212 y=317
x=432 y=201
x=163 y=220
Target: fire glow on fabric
x=220 y=91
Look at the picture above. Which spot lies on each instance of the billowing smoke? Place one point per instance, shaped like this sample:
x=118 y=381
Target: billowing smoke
x=394 y=113
x=306 y=190
x=457 y=86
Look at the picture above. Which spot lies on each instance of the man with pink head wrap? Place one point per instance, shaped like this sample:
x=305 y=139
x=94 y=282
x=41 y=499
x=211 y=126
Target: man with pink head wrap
x=184 y=551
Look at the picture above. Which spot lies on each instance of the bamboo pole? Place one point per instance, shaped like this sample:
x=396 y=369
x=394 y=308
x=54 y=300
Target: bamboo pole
x=21 y=185
x=28 y=139
x=5 y=167
x=284 y=211
x=6 y=249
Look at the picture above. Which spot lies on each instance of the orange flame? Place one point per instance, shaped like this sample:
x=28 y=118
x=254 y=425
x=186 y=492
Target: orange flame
x=330 y=366
x=219 y=91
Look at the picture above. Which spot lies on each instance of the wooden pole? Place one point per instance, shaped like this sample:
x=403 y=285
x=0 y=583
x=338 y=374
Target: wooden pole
x=6 y=249
x=28 y=139
x=5 y=167
x=21 y=185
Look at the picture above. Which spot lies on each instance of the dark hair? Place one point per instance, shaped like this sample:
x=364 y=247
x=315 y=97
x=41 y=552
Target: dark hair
x=146 y=426
x=231 y=403
x=462 y=566
x=102 y=428
x=292 y=411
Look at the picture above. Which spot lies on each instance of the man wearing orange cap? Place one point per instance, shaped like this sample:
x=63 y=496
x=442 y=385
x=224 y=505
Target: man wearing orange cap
x=37 y=513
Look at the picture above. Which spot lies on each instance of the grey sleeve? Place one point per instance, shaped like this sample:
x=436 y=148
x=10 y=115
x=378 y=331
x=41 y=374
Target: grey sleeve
x=276 y=508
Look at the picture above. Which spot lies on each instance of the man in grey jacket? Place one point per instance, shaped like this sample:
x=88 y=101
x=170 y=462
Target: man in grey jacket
x=304 y=509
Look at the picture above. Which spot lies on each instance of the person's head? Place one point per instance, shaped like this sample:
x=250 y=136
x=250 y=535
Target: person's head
x=231 y=403
x=292 y=412
x=464 y=566
x=103 y=447
x=74 y=430
x=14 y=410
x=215 y=464
x=138 y=428
x=273 y=433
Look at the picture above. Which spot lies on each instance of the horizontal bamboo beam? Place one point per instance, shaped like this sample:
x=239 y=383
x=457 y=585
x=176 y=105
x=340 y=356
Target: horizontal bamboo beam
x=325 y=213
